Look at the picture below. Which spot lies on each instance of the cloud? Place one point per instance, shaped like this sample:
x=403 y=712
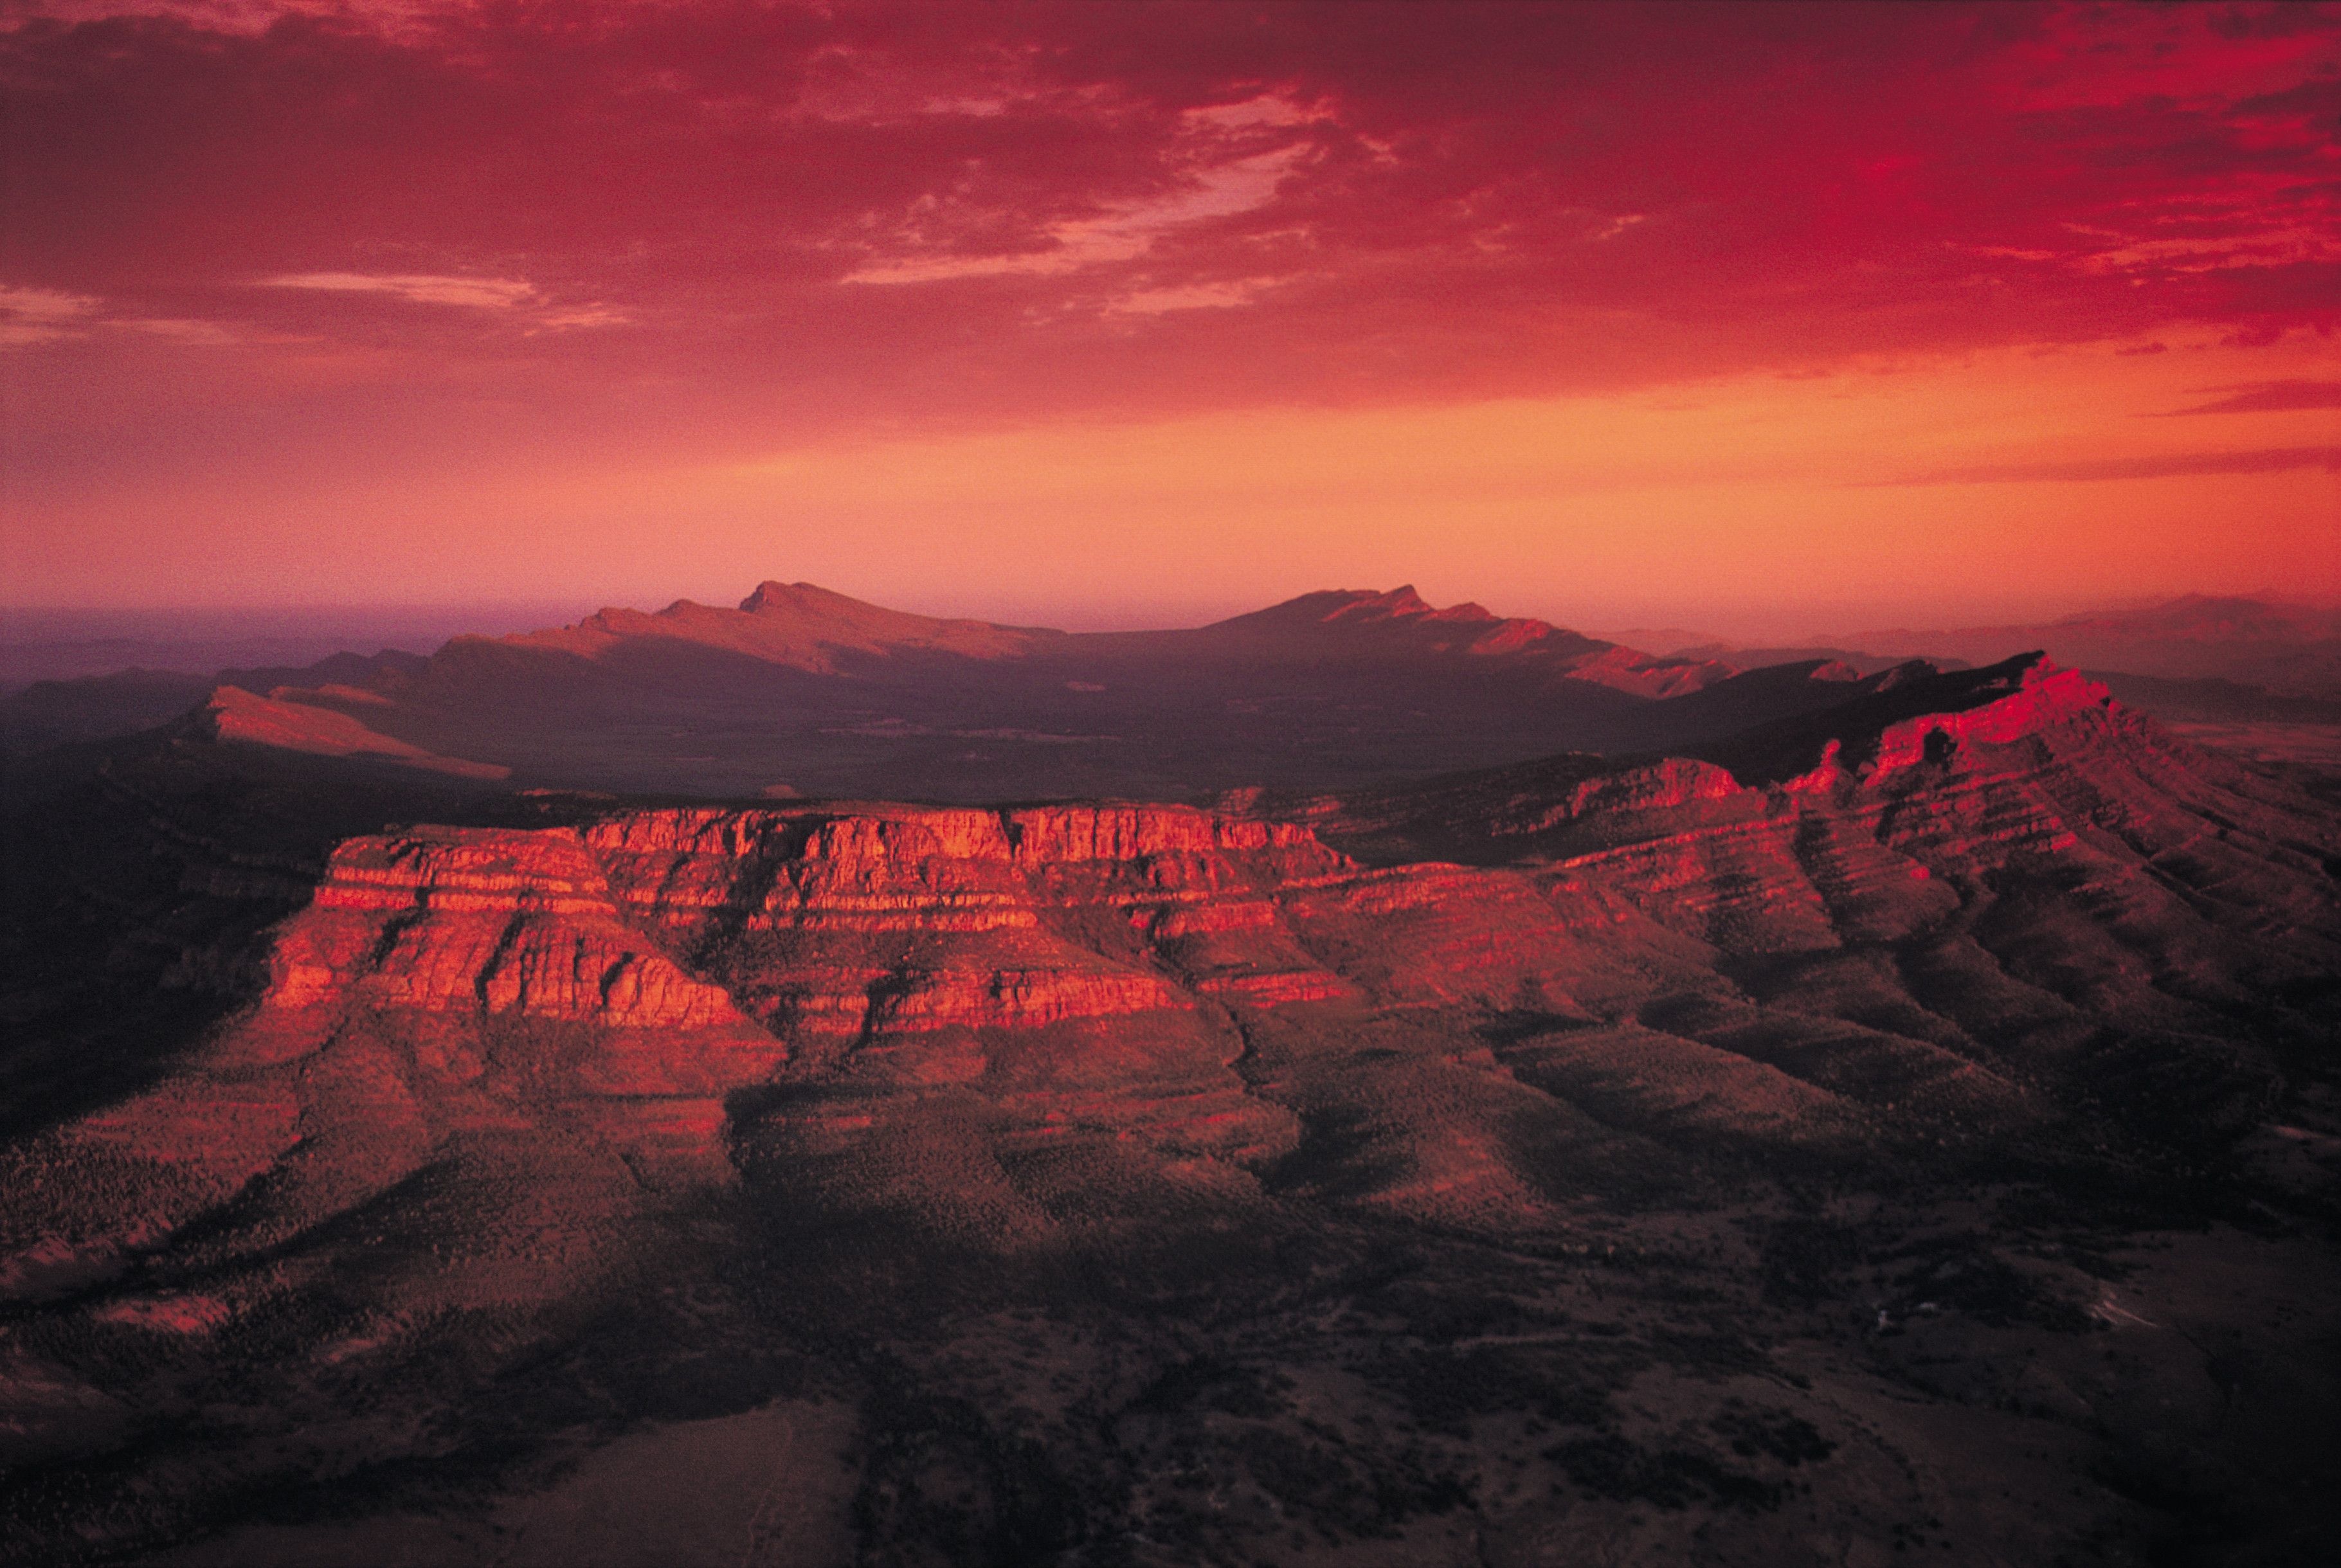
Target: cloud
x=30 y=316
x=42 y=315
x=514 y=296
x=2094 y=471
x=417 y=288
x=581 y=316
x=1199 y=296
x=1119 y=233
x=1485 y=203
x=2270 y=397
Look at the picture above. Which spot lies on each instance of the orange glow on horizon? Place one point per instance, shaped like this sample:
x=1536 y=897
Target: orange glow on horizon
x=1029 y=316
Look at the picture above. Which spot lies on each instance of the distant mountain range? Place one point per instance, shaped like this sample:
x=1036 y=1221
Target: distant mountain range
x=801 y=690
x=67 y=644
x=2287 y=650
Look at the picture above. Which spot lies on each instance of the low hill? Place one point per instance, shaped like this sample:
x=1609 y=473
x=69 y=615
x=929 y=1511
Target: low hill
x=1587 y=1148
x=2289 y=649
x=801 y=692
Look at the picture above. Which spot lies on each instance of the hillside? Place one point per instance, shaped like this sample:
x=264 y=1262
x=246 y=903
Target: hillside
x=800 y=691
x=1572 y=1151
x=2285 y=650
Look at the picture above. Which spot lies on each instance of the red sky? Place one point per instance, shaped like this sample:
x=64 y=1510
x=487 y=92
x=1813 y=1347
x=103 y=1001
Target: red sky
x=1748 y=315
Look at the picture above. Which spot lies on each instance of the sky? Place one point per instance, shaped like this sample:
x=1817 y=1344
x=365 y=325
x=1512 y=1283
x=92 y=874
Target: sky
x=1747 y=317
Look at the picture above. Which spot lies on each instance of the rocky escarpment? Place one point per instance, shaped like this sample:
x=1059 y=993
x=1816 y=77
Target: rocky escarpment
x=1962 y=912
x=551 y=1053
x=678 y=956
x=1935 y=802
x=451 y=990
x=2038 y=696
x=478 y=920
x=242 y=718
x=925 y=920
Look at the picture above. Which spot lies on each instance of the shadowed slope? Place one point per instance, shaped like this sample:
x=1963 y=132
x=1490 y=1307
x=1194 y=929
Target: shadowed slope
x=238 y=718
x=1228 y=986
x=494 y=1080
x=800 y=690
x=2292 y=649
x=795 y=624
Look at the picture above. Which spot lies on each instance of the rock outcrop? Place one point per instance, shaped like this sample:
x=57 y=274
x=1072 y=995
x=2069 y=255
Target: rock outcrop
x=475 y=920
x=243 y=717
x=2001 y=902
x=569 y=1095
x=2040 y=697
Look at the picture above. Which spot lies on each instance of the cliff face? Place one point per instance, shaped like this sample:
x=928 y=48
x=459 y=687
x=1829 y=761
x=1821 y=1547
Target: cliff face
x=2040 y=700
x=561 y=1088
x=1953 y=917
x=479 y=921
x=568 y=925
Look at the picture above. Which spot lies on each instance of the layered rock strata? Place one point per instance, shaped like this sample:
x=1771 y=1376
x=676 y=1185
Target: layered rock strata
x=1918 y=926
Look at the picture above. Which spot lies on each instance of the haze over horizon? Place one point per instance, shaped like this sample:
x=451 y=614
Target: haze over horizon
x=1758 y=320
x=1321 y=783
x=424 y=626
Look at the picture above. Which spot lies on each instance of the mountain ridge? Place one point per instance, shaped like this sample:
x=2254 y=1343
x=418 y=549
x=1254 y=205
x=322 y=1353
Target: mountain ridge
x=801 y=625
x=1545 y=1093
x=2291 y=650
x=803 y=689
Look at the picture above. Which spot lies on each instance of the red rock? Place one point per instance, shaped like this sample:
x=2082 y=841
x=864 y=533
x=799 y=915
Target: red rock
x=2044 y=696
x=1918 y=944
x=240 y=717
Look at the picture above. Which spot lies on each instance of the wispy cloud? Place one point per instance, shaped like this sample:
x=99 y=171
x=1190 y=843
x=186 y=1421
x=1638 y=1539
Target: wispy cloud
x=49 y=315
x=1119 y=233
x=514 y=296
x=2268 y=397
x=1210 y=296
x=417 y=288
x=581 y=316
x=42 y=315
x=2288 y=245
x=36 y=315
x=2174 y=465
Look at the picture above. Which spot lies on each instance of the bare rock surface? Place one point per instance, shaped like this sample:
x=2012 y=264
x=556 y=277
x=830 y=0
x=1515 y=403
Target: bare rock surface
x=1830 y=1142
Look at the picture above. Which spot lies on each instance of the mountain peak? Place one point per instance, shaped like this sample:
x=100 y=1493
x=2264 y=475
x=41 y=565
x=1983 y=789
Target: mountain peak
x=1401 y=601
x=2202 y=617
x=1914 y=713
x=1401 y=604
x=798 y=624
x=798 y=598
x=1361 y=605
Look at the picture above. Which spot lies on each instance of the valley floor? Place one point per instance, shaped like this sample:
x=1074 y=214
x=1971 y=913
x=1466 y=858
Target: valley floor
x=2003 y=1377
